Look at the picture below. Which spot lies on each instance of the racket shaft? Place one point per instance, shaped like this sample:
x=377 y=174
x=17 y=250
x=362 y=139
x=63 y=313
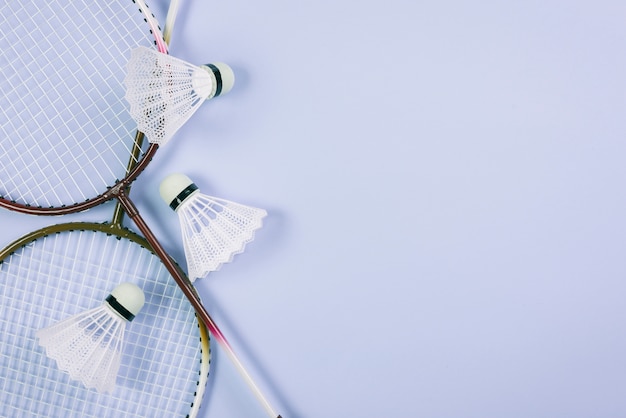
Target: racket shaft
x=189 y=291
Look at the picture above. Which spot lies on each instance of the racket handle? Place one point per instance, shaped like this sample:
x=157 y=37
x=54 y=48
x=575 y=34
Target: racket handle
x=190 y=292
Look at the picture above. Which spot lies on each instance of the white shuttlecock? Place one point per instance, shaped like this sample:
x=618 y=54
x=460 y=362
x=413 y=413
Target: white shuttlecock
x=213 y=229
x=164 y=91
x=88 y=345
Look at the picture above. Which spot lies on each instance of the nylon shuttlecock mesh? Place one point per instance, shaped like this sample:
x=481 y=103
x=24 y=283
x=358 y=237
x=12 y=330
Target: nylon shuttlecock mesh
x=214 y=231
x=88 y=346
x=163 y=92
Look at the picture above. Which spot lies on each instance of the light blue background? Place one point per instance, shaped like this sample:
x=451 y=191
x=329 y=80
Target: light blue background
x=447 y=216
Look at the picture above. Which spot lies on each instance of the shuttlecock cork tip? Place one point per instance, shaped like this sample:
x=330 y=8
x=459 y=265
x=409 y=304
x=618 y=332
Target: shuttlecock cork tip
x=176 y=188
x=127 y=299
x=224 y=77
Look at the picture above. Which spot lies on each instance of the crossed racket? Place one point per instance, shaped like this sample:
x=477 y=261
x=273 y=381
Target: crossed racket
x=68 y=144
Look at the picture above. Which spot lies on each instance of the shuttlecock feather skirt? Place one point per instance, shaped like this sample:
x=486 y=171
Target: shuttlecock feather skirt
x=164 y=92
x=87 y=346
x=215 y=230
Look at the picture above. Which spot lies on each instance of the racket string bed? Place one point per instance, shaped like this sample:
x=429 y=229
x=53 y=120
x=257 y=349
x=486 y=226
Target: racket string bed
x=72 y=145
x=44 y=282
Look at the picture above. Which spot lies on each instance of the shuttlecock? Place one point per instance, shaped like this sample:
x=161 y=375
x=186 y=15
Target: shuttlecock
x=213 y=229
x=88 y=345
x=164 y=91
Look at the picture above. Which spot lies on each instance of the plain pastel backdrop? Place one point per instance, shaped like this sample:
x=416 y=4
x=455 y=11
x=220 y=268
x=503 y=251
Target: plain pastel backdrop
x=447 y=218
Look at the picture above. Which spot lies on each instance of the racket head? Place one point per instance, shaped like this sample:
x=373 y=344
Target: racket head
x=58 y=271
x=66 y=133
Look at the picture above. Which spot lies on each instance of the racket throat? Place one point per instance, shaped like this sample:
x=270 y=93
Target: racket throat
x=120 y=191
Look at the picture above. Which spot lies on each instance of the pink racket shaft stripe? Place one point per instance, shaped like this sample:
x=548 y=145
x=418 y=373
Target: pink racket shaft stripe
x=154 y=27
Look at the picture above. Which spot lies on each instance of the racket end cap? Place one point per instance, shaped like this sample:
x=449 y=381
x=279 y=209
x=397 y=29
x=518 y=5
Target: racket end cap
x=176 y=188
x=130 y=296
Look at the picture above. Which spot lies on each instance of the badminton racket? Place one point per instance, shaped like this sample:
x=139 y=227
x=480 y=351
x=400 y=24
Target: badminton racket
x=58 y=271
x=66 y=133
